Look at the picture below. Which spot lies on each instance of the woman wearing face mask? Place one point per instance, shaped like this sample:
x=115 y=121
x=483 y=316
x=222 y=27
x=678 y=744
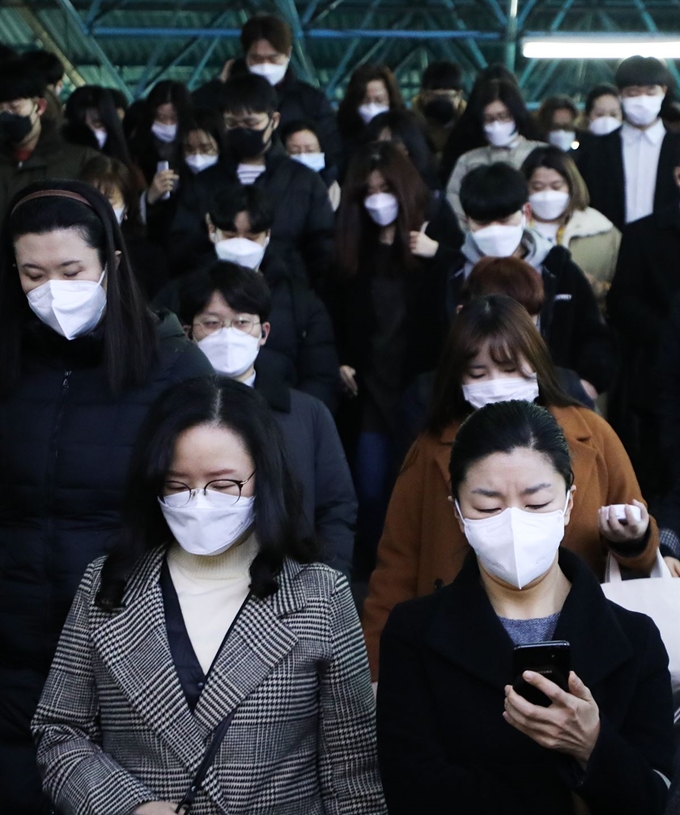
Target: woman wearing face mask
x=454 y=726
x=204 y=141
x=372 y=90
x=241 y=640
x=387 y=301
x=504 y=125
x=122 y=188
x=81 y=359
x=495 y=353
x=557 y=118
x=91 y=119
x=603 y=110
x=302 y=143
x=561 y=213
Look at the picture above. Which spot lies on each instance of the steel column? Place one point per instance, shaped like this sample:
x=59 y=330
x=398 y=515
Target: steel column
x=511 y=36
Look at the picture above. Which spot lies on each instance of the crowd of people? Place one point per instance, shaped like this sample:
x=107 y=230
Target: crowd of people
x=312 y=419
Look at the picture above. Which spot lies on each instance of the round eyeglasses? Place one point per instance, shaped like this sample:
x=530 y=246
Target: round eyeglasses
x=212 y=324
x=178 y=494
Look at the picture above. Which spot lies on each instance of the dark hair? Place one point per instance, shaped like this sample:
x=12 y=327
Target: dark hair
x=248 y=93
x=298 y=126
x=355 y=231
x=221 y=403
x=598 y=91
x=119 y=98
x=267 y=27
x=406 y=128
x=164 y=93
x=243 y=289
x=226 y=203
x=510 y=277
x=7 y=52
x=130 y=338
x=93 y=97
x=350 y=122
x=47 y=64
x=552 y=158
x=512 y=337
x=442 y=75
x=106 y=174
x=642 y=71
x=210 y=122
x=502 y=428
x=550 y=106
x=493 y=191
x=20 y=80
x=500 y=90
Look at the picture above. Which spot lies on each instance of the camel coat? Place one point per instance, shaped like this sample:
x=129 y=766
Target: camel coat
x=423 y=548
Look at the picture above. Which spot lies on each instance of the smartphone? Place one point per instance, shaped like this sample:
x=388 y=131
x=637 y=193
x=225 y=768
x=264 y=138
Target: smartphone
x=160 y=167
x=620 y=513
x=550 y=659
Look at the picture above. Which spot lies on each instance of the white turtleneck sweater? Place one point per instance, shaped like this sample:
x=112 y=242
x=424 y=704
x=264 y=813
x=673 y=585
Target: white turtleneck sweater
x=211 y=590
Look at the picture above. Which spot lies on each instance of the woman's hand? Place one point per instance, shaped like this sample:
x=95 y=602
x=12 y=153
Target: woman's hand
x=163 y=182
x=674 y=565
x=570 y=725
x=347 y=376
x=156 y=808
x=613 y=530
x=422 y=246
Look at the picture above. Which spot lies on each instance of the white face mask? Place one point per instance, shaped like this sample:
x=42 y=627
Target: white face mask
x=604 y=125
x=370 y=111
x=516 y=546
x=230 y=351
x=382 y=207
x=271 y=72
x=242 y=251
x=501 y=134
x=209 y=524
x=549 y=205
x=315 y=161
x=101 y=135
x=642 y=110
x=165 y=133
x=499 y=240
x=199 y=162
x=119 y=212
x=69 y=307
x=562 y=139
x=478 y=394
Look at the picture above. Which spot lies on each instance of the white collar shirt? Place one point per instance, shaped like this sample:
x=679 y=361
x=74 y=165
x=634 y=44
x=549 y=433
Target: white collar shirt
x=641 y=151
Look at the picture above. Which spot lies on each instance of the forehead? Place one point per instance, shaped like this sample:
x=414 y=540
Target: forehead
x=303 y=137
x=376 y=86
x=53 y=246
x=495 y=107
x=516 y=470
x=262 y=48
x=546 y=175
x=208 y=447
x=195 y=137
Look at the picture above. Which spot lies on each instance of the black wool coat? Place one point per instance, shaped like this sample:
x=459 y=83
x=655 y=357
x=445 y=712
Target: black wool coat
x=444 y=745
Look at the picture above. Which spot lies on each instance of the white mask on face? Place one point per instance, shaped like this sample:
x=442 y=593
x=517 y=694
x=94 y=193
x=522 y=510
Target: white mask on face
x=479 y=394
x=271 y=72
x=382 y=207
x=101 y=135
x=200 y=162
x=562 y=139
x=242 y=251
x=208 y=524
x=69 y=307
x=501 y=134
x=604 y=125
x=516 y=546
x=499 y=240
x=119 y=212
x=315 y=161
x=642 y=110
x=230 y=351
x=164 y=133
x=370 y=111
x=549 y=205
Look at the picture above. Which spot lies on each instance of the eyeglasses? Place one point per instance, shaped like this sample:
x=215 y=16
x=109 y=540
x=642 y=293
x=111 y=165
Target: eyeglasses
x=212 y=324
x=181 y=495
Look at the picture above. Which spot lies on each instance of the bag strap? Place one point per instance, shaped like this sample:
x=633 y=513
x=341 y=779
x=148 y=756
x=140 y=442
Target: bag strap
x=218 y=737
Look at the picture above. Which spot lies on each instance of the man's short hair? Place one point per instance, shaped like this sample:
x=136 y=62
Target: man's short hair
x=641 y=71
x=493 y=192
x=248 y=93
x=20 y=80
x=244 y=291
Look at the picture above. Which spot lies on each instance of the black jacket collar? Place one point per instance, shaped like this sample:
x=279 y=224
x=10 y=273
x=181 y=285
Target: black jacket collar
x=271 y=386
x=465 y=629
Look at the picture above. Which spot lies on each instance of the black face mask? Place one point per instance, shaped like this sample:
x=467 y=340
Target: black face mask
x=441 y=110
x=248 y=143
x=14 y=128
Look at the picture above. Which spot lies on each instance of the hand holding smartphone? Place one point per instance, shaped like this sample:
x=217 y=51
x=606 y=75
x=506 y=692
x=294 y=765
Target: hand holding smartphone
x=551 y=659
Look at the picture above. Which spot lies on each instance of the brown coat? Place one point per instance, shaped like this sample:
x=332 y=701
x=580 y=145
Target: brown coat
x=422 y=543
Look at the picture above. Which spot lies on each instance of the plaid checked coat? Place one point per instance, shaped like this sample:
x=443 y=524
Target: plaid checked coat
x=114 y=730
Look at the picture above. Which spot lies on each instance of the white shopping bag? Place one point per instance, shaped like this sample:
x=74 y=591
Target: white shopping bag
x=657 y=596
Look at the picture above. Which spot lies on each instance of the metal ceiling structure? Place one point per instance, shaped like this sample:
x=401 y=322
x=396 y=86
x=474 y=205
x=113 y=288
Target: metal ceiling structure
x=132 y=44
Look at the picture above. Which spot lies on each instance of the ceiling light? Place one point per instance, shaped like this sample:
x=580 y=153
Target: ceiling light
x=601 y=47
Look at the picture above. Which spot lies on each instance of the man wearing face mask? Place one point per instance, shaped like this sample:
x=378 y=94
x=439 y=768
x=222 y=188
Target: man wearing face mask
x=31 y=148
x=301 y=346
x=267 y=43
x=303 y=217
x=226 y=310
x=629 y=172
x=440 y=102
x=495 y=201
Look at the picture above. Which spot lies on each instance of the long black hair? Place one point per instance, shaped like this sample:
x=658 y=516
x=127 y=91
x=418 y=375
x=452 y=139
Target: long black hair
x=221 y=403
x=129 y=333
x=93 y=97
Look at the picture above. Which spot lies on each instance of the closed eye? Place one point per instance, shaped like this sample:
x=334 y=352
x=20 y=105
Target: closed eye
x=538 y=506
